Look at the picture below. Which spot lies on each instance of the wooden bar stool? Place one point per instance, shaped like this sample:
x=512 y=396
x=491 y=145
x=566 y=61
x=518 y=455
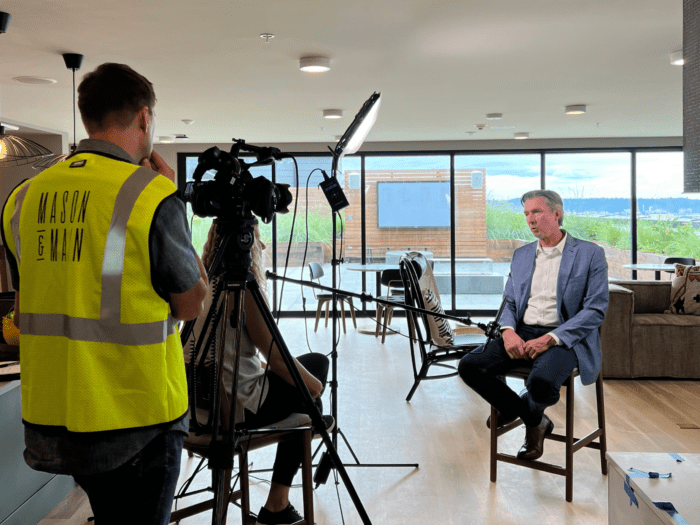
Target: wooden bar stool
x=573 y=444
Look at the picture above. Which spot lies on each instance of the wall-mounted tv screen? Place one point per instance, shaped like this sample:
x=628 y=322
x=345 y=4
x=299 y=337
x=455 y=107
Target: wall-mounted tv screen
x=422 y=204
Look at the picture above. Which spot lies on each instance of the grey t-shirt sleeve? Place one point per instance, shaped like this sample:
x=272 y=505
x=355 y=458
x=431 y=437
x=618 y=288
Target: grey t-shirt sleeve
x=174 y=267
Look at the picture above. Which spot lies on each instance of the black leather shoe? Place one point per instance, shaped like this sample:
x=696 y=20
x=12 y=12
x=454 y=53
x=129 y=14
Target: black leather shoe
x=501 y=421
x=533 y=448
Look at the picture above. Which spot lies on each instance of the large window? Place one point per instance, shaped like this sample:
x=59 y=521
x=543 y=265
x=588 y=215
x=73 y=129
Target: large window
x=463 y=211
x=667 y=219
x=596 y=191
x=490 y=223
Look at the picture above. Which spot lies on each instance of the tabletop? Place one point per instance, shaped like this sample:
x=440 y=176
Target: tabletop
x=650 y=267
x=370 y=267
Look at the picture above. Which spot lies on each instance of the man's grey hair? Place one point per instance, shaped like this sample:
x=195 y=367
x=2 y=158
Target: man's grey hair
x=551 y=198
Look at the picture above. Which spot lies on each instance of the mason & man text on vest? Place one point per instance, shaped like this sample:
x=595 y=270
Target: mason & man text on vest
x=66 y=209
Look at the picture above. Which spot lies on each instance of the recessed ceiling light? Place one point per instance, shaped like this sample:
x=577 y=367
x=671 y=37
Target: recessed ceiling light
x=480 y=127
x=494 y=116
x=267 y=37
x=521 y=136
x=315 y=64
x=332 y=113
x=471 y=133
x=187 y=121
x=9 y=126
x=576 y=109
x=677 y=58
x=181 y=136
x=34 y=80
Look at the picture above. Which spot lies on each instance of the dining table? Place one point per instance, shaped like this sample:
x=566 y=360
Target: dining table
x=656 y=268
x=377 y=269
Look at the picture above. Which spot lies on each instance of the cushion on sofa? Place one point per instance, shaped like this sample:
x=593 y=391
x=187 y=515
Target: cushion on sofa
x=685 y=291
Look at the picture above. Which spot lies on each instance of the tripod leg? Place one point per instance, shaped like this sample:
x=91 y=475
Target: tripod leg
x=312 y=410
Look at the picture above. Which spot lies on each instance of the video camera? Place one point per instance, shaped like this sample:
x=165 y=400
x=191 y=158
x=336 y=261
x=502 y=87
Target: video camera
x=234 y=181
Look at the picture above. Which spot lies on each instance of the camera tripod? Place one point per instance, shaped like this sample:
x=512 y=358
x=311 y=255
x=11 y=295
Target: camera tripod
x=231 y=264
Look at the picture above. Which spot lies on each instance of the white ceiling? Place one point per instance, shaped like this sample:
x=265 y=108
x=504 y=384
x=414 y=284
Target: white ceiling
x=440 y=65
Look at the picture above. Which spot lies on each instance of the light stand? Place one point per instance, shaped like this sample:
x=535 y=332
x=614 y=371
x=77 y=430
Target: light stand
x=348 y=144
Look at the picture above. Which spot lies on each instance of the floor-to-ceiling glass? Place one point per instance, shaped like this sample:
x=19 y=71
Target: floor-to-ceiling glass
x=596 y=191
x=407 y=208
x=667 y=219
x=489 y=223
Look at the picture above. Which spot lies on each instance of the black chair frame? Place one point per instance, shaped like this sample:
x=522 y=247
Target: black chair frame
x=423 y=348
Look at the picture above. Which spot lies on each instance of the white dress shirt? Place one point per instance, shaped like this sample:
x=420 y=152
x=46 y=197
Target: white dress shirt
x=541 y=307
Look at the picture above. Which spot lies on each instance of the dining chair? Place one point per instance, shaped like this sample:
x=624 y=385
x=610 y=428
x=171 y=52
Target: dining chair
x=316 y=272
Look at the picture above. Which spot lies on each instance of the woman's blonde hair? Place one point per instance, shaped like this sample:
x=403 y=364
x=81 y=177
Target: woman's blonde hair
x=257 y=252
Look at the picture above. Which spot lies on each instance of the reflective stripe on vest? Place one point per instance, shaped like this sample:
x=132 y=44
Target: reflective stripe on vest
x=14 y=220
x=108 y=328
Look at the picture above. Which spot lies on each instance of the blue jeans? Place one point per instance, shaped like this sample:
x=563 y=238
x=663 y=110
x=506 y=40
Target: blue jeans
x=482 y=368
x=140 y=491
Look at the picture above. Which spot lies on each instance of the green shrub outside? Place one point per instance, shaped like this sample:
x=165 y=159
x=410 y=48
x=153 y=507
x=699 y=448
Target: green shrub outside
x=504 y=222
x=660 y=237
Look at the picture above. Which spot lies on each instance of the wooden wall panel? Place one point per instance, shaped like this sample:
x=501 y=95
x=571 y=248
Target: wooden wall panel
x=470 y=217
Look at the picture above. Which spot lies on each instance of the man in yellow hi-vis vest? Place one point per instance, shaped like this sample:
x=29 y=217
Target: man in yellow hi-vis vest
x=103 y=265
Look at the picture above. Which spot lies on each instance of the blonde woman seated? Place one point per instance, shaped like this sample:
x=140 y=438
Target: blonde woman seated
x=262 y=401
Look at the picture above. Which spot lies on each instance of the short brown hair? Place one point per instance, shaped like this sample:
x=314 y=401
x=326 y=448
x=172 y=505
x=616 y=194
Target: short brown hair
x=551 y=199
x=112 y=95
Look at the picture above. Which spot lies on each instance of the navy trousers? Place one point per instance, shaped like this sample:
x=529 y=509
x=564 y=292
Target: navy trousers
x=483 y=369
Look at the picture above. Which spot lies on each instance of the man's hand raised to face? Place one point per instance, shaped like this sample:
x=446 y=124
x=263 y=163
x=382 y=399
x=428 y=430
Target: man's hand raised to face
x=157 y=164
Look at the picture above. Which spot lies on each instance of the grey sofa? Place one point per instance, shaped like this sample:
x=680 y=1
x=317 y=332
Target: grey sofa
x=639 y=340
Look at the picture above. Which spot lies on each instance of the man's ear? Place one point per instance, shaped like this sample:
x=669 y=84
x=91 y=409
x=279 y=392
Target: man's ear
x=144 y=119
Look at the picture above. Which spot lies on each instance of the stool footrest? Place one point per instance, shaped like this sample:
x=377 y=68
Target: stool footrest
x=545 y=467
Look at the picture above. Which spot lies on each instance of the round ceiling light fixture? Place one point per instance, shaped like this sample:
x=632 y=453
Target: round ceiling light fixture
x=521 y=136
x=332 y=113
x=267 y=37
x=494 y=116
x=165 y=139
x=575 y=109
x=34 y=80
x=677 y=58
x=314 y=64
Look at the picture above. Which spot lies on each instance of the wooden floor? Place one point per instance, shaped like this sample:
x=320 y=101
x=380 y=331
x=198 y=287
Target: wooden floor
x=443 y=429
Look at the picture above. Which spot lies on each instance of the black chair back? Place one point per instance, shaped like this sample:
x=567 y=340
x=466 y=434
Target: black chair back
x=688 y=261
x=411 y=268
x=680 y=260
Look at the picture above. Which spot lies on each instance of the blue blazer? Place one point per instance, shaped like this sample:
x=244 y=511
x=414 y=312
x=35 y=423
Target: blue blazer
x=582 y=299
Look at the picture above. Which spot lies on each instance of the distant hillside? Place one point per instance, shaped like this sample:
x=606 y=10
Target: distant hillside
x=619 y=206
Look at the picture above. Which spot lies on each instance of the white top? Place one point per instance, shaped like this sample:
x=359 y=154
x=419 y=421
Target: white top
x=250 y=372
x=541 y=307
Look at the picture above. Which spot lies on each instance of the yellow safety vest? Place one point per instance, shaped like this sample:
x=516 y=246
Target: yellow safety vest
x=99 y=348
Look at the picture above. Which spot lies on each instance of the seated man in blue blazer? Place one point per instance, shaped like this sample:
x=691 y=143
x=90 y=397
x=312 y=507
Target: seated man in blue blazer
x=556 y=297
